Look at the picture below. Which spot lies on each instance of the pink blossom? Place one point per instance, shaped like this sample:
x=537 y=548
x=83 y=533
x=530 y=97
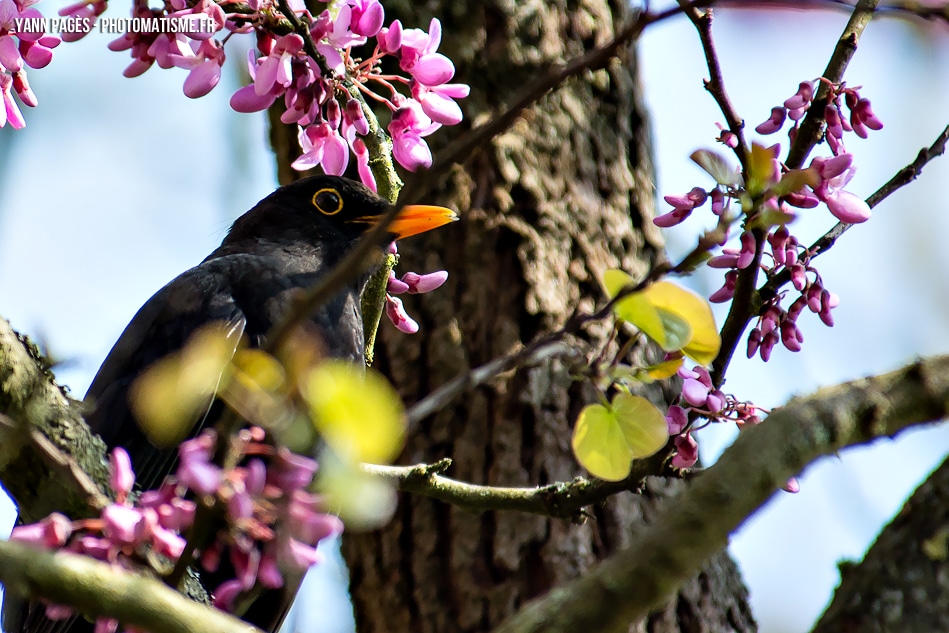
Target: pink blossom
x=362 y=164
x=399 y=317
x=226 y=593
x=408 y=126
x=275 y=70
x=438 y=101
x=322 y=145
x=774 y=122
x=687 y=451
x=50 y=533
x=297 y=556
x=121 y=476
x=798 y=103
x=122 y=523
x=290 y=471
x=390 y=39
x=683 y=206
x=847 y=207
x=268 y=572
x=11 y=112
x=419 y=59
x=727 y=291
x=676 y=419
x=418 y=284
x=367 y=17
x=747 y=253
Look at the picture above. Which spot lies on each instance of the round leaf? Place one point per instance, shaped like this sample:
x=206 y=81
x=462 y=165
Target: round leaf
x=599 y=444
x=643 y=426
x=607 y=439
x=704 y=343
x=635 y=308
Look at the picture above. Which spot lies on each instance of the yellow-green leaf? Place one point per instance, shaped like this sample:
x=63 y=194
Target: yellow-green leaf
x=635 y=308
x=760 y=169
x=795 y=180
x=669 y=298
x=362 y=501
x=607 y=439
x=358 y=413
x=599 y=444
x=675 y=318
x=642 y=424
x=663 y=370
x=716 y=166
x=172 y=393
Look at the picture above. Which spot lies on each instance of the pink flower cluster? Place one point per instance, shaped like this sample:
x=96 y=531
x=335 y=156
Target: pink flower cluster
x=312 y=90
x=411 y=283
x=683 y=205
x=194 y=50
x=20 y=48
x=861 y=117
x=700 y=397
x=775 y=324
x=257 y=497
x=313 y=75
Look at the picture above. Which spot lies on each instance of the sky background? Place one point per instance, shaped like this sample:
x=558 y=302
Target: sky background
x=118 y=185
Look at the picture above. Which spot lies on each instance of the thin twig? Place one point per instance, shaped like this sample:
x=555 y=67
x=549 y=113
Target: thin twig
x=811 y=128
x=558 y=500
x=902 y=178
x=716 y=82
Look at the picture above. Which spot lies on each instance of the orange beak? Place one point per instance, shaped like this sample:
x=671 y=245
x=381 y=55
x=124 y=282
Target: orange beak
x=416 y=218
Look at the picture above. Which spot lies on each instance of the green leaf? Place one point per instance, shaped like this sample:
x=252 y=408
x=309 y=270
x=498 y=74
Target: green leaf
x=704 y=341
x=636 y=308
x=795 y=180
x=170 y=395
x=599 y=444
x=607 y=439
x=358 y=413
x=643 y=426
x=717 y=167
x=675 y=318
x=760 y=169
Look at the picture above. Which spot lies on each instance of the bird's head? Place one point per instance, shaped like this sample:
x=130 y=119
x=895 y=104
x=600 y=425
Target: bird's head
x=330 y=208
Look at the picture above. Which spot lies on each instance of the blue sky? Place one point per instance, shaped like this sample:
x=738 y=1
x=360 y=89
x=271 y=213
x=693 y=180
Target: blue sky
x=118 y=185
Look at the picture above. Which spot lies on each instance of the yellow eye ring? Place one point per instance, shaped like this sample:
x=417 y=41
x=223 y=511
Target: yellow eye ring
x=328 y=201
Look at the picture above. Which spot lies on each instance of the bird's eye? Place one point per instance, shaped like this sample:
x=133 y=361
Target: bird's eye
x=328 y=201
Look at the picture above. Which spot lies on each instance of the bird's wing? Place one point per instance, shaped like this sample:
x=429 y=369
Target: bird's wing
x=199 y=297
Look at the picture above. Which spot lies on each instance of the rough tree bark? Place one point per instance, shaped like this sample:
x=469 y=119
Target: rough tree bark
x=546 y=208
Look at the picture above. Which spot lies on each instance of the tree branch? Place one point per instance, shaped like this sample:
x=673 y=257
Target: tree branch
x=716 y=82
x=684 y=534
x=561 y=500
x=98 y=589
x=875 y=595
x=36 y=472
x=902 y=178
x=811 y=128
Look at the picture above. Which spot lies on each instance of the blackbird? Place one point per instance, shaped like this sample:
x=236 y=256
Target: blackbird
x=281 y=246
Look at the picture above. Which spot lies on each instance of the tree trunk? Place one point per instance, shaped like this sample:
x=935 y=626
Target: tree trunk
x=902 y=584
x=565 y=194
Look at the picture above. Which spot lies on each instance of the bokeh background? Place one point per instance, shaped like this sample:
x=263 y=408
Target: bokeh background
x=118 y=185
